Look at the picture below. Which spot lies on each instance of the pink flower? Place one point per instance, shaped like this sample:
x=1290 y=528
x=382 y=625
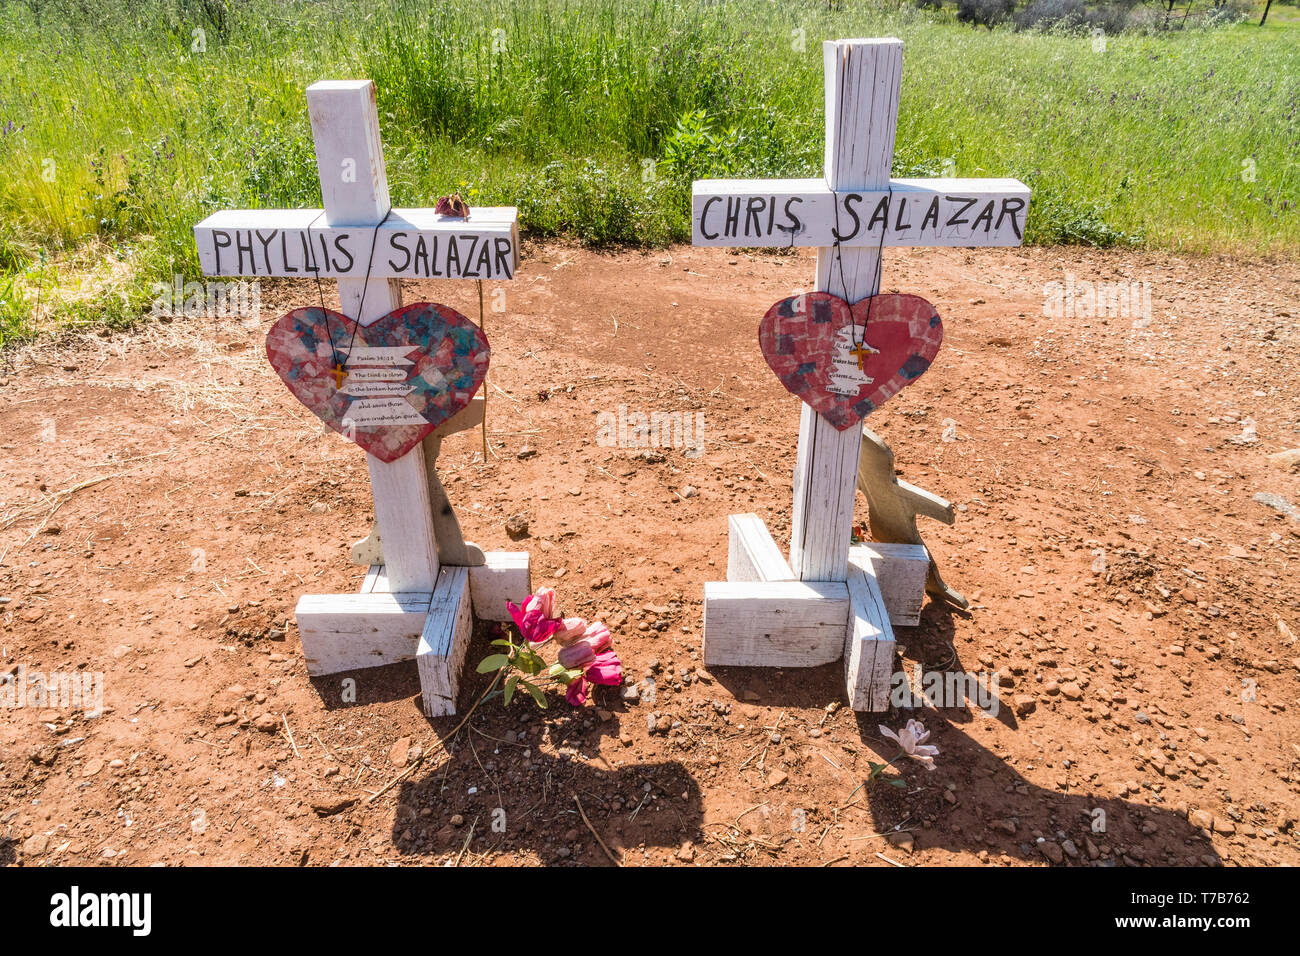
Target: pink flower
x=605 y=669
x=571 y=629
x=598 y=635
x=533 y=624
x=578 y=654
x=911 y=740
x=543 y=601
x=584 y=650
x=453 y=206
x=577 y=692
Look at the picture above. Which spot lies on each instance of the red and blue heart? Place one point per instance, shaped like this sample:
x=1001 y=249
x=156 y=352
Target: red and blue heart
x=846 y=360
x=443 y=359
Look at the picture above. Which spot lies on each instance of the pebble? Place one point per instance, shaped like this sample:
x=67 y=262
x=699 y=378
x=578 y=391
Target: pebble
x=1277 y=503
x=266 y=723
x=517 y=526
x=329 y=806
x=1071 y=691
x=400 y=752
x=93 y=766
x=1201 y=818
x=1288 y=460
x=776 y=778
x=1024 y=704
x=1052 y=851
x=903 y=840
x=35 y=844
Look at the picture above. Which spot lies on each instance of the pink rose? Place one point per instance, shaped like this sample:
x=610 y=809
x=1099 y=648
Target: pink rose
x=578 y=654
x=535 y=627
x=577 y=692
x=606 y=669
x=571 y=629
x=598 y=634
x=543 y=601
x=584 y=650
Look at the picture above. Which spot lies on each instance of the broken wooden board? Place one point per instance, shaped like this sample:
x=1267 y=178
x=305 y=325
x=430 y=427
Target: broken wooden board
x=893 y=505
x=504 y=576
x=752 y=555
x=443 y=642
x=774 y=623
x=869 y=646
x=900 y=570
x=345 y=632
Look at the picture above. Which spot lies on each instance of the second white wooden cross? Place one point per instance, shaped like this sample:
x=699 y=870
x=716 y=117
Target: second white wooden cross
x=421 y=602
x=827 y=602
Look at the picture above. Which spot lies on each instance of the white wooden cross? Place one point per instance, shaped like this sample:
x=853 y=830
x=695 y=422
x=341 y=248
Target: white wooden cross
x=828 y=601
x=414 y=605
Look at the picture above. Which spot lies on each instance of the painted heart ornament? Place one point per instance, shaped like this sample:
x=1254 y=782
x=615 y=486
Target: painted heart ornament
x=846 y=360
x=384 y=386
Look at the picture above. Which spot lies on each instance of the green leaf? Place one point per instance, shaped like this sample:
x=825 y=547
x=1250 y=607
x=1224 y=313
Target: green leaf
x=898 y=782
x=493 y=662
x=537 y=694
x=502 y=642
x=555 y=670
x=511 y=681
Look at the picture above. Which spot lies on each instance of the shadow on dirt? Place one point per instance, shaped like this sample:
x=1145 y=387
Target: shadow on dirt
x=490 y=789
x=990 y=807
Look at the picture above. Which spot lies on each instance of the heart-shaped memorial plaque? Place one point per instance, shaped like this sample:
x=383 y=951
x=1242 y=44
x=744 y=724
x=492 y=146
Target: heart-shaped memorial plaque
x=817 y=346
x=385 y=385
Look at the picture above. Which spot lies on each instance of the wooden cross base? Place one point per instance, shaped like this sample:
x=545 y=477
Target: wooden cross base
x=762 y=616
x=344 y=632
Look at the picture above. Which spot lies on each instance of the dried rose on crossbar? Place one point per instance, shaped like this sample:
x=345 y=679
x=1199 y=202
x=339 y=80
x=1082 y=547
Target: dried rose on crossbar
x=452 y=205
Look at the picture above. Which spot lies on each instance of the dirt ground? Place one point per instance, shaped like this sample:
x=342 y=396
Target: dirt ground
x=164 y=501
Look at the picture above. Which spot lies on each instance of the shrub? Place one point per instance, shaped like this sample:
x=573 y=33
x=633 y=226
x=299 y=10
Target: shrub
x=986 y=13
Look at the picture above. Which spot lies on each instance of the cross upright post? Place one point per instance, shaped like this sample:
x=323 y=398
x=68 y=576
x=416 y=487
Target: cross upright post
x=863 y=78
x=354 y=188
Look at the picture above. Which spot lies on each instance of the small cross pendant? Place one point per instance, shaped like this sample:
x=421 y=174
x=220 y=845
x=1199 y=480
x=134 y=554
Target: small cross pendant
x=861 y=353
x=339 y=374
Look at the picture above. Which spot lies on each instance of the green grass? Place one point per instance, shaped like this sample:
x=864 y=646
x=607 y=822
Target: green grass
x=124 y=136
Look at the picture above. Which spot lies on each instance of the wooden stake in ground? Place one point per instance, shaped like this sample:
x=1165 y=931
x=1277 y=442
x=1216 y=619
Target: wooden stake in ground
x=849 y=215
